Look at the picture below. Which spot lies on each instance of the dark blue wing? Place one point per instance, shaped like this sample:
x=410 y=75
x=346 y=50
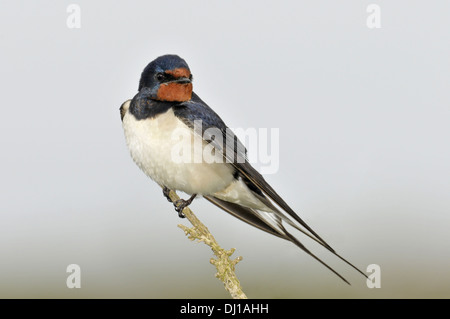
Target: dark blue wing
x=211 y=125
x=195 y=110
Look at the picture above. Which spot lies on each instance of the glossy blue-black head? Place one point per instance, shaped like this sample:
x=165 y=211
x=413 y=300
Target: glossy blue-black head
x=167 y=78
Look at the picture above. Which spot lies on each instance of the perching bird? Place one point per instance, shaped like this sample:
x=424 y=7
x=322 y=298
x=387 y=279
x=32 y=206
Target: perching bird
x=166 y=113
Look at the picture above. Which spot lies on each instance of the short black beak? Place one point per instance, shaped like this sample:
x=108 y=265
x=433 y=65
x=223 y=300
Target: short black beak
x=182 y=80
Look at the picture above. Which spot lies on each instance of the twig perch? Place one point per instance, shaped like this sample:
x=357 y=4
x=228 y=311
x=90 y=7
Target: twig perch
x=224 y=265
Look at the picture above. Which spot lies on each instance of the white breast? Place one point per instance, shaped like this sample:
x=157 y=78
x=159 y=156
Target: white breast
x=151 y=142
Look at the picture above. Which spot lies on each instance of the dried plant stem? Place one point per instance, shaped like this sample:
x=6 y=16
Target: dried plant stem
x=224 y=265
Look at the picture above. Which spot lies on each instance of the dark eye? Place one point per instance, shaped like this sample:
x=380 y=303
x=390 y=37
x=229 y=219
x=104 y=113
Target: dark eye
x=190 y=77
x=160 y=76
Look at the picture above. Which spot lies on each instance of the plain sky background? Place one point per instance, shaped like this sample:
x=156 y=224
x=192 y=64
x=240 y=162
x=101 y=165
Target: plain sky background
x=364 y=120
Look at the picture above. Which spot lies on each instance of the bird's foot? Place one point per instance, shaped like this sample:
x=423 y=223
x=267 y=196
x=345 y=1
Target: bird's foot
x=166 y=192
x=182 y=204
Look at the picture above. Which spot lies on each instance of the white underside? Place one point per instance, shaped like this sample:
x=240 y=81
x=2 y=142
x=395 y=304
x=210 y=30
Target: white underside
x=151 y=143
x=237 y=192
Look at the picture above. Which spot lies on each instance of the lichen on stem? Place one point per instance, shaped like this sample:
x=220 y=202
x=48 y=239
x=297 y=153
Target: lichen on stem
x=224 y=264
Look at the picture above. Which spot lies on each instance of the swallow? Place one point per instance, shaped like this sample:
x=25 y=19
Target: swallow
x=165 y=104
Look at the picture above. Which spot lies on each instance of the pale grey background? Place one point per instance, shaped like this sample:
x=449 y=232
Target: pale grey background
x=364 y=119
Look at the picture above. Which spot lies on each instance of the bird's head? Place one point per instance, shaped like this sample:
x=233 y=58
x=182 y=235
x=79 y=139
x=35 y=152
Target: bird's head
x=168 y=79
